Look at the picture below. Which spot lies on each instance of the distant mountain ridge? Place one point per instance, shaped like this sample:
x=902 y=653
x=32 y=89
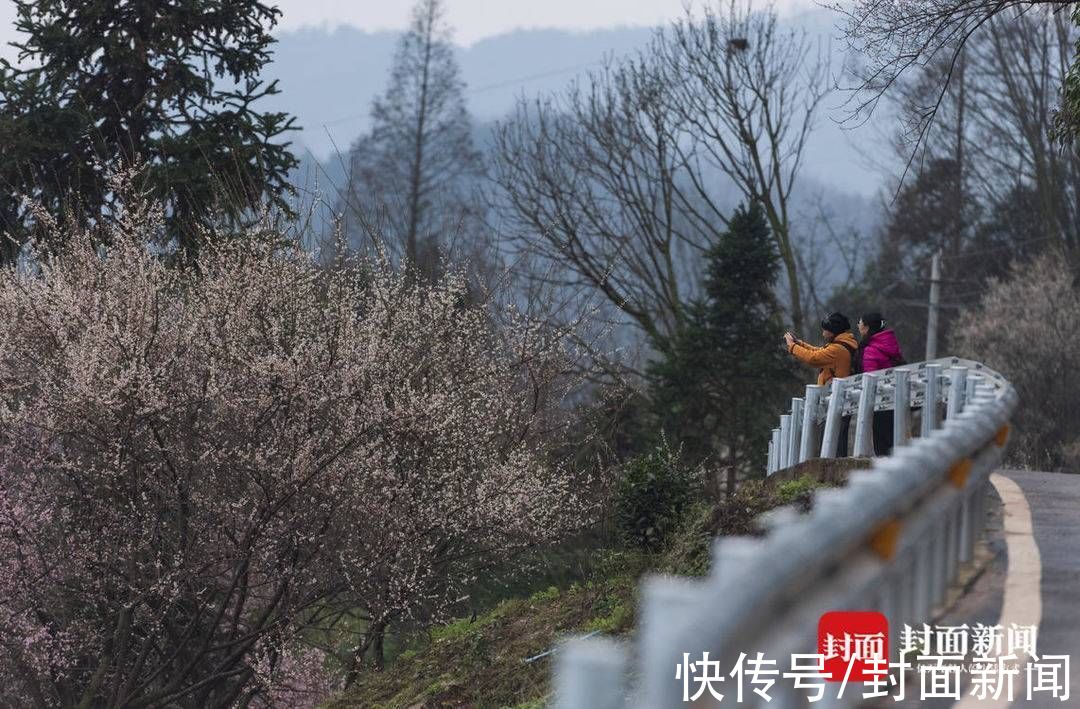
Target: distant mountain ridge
x=329 y=78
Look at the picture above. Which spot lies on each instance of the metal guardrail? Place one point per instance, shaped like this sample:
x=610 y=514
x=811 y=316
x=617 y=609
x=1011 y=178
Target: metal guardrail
x=948 y=381
x=891 y=540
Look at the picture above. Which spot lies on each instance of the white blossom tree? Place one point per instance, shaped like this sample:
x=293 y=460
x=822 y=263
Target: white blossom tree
x=1023 y=327
x=198 y=461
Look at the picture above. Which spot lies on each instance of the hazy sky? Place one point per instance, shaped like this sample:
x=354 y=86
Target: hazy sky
x=476 y=19
x=472 y=19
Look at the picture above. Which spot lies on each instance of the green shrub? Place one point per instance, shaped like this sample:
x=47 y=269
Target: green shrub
x=737 y=514
x=798 y=492
x=686 y=552
x=687 y=547
x=654 y=490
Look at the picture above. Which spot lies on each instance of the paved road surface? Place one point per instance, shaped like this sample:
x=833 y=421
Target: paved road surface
x=1054 y=501
x=1044 y=582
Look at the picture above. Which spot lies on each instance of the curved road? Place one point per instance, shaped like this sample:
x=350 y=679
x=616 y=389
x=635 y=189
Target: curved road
x=1034 y=577
x=1054 y=503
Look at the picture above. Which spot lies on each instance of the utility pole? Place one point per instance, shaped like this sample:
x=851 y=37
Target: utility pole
x=935 y=305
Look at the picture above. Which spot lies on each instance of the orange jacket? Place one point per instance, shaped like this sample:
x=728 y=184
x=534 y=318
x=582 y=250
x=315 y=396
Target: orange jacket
x=834 y=359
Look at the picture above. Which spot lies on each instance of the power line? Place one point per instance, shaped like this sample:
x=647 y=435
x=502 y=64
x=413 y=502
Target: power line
x=943 y=280
x=534 y=77
x=487 y=87
x=924 y=304
x=1003 y=247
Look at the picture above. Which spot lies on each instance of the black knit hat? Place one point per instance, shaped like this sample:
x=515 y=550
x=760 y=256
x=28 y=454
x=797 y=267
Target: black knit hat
x=836 y=323
x=873 y=321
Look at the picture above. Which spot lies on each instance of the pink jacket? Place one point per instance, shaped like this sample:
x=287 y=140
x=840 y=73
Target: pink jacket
x=881 y=352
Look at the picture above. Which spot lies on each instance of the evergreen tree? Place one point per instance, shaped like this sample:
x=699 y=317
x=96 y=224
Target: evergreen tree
x=411 y=175
x=168 y=83
x=720 y=387
x=1067 y=118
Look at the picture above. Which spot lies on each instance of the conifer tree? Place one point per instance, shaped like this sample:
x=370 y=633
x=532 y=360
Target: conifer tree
x=726 y=376
x=171 y=84
x=410 y=176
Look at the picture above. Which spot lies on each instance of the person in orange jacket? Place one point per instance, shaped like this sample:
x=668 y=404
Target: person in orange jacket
x=835 y=359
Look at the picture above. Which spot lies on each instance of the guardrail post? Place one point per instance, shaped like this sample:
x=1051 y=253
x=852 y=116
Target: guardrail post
x=774 y=447
x=785 y=441
x=952 y=547
x=808 y=446
x=956 y=539
x=978 y=514
x=864 y=425
x=769 y=461
x=930 y=399
x=796 y=431
x=972 y=518
x=889 y=605
x=590 y=673
x=901 y=408
x=662 y=638
x=939 y=562
x=922 y=578
x=832 y=419
x=967 y=527
x=957 y=389
x=972 y=521
x=909 y=591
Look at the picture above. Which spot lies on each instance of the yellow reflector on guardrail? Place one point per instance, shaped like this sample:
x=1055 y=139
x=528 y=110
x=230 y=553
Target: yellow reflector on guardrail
x=885 y=539
x=1002 y=435
x=958 y=474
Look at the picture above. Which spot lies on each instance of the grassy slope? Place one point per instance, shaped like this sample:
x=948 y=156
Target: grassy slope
x=480 y=663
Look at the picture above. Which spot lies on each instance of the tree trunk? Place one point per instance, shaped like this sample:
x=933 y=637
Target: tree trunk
x=373 y=639
x=792 y=270
x=778 y=223
x=378 y=660
x=412 y=250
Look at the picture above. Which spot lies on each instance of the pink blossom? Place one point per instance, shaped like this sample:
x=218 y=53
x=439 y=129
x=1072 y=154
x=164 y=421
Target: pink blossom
x=197 y=460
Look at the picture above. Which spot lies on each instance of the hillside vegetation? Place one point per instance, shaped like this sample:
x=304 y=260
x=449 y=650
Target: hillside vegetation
x=503 y=657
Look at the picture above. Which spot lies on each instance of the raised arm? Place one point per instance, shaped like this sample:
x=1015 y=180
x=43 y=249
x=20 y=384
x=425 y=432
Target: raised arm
x=815 y=356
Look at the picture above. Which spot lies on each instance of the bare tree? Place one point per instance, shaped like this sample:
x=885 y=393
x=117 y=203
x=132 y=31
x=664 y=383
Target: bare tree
x=626 y=177
x=411 y=176
x=982 y=181
x=889 y=38
x=993 y=119
x=595 y=185
x=1018 y=66
x=830 y=253
x=748 y=93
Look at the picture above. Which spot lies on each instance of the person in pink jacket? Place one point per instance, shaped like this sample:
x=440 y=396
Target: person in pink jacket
x=878 y=349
